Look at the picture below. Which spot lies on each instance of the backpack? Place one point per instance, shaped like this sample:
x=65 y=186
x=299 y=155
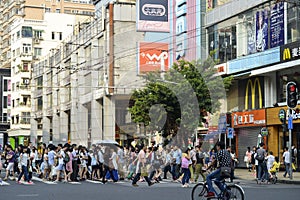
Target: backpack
x=260 y=157
x=66 y=158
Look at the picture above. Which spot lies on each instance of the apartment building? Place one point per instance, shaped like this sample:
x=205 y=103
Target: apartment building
x=86 y=88
x=30 y=29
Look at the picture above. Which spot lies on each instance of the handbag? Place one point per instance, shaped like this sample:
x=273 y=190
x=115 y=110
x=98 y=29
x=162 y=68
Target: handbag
x=144 y=171
x=225 y=172
x=246 y=159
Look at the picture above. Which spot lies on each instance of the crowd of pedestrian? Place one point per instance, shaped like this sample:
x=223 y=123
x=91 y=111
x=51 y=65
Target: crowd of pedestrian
x=264 y=165
x=72 y=163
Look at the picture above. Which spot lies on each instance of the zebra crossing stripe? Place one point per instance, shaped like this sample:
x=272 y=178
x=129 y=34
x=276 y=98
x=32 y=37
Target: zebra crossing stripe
x=2 y=183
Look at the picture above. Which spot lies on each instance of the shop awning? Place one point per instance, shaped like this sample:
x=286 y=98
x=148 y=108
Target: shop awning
x=275 y=67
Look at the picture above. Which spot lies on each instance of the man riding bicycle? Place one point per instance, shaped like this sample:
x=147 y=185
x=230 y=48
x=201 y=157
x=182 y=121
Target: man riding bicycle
x=223 y=159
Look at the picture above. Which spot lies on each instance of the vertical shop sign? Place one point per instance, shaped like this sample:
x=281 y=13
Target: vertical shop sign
x=277 y=25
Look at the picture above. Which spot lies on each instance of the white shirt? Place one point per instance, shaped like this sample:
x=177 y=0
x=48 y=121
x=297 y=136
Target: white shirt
x=100 y=157
x=286 y=156
x=114 y=160
x=61 y=160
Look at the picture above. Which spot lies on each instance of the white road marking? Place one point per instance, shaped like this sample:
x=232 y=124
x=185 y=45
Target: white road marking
x=28 y=195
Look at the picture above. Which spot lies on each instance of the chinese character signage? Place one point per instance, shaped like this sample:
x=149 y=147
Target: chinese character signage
x=249 y=118
x=262 y=30
x=153 y=15
x=277 y=25
x=290 y=51
x=153 y=57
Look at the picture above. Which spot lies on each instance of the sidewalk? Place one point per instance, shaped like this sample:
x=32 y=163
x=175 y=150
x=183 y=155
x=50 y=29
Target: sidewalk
x=246 y=175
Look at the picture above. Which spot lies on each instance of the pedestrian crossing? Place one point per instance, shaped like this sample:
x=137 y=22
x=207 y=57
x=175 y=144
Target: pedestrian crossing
x=3 y=183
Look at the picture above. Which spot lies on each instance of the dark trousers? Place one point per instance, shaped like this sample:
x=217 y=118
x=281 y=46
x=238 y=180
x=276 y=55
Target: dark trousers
x=167 y=169
x=137 y=177
x=101 y=170
x=75 y=170
x=24 y=172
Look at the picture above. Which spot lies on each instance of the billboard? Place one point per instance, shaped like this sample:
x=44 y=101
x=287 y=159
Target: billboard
x=262 y=38
x=153 y=57
x=153 y=15
x=277 y=25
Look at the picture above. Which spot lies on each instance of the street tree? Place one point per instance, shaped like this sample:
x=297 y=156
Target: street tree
x=175 y=102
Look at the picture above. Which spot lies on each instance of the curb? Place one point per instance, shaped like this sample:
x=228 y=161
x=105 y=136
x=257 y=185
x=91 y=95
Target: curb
x=289 y=182
x=296 y=182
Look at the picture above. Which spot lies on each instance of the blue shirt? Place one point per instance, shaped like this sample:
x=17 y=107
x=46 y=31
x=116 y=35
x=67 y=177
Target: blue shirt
x=51 y=155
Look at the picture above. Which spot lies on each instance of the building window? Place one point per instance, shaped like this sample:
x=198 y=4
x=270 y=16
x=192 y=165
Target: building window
x=60 y=35
x=5 y=102
x=26 y=48
x=25 y=67
x=37 y=34
x=37 y=51
x=5 y=84
x=18 y=34
x=40 y=103
x=26 y=31
x=57 y=10
x=25 y=118
x=53 y=35
x=47 y=10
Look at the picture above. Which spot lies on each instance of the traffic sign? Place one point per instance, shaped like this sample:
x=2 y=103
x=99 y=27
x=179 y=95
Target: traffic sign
x=290 y=123
x=230 y=133
x=282 y=115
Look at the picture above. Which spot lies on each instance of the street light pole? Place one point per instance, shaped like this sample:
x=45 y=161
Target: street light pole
x=290 y=126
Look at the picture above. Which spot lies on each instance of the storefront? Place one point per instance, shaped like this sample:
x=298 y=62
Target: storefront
x=247 y=130
x=278 y=136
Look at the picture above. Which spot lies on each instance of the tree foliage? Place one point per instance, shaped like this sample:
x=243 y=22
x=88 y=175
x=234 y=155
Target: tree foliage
x=178 y=100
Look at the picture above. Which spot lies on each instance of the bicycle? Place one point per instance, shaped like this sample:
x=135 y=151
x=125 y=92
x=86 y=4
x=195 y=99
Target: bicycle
x=231 y=191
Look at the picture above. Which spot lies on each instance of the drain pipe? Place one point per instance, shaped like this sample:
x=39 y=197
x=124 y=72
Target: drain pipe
x=111 y=49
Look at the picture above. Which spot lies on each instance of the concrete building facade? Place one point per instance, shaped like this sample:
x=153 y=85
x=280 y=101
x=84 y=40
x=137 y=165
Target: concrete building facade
x=30 y=29
x=87 y=86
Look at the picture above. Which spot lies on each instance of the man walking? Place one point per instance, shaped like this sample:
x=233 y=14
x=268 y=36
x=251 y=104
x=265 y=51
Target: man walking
x=286 y=158
x=141 y=163
x=260 y=157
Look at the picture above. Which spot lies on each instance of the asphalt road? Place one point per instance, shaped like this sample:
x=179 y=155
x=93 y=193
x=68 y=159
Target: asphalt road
x=124 y=190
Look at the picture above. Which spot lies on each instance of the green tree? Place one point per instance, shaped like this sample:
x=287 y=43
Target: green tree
x=176 y=102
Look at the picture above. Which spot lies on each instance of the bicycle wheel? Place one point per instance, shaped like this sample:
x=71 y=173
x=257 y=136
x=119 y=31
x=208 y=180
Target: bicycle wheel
x=199 y=191
x=236 y=192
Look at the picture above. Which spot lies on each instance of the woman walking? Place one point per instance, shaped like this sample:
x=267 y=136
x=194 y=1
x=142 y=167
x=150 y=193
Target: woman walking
x=24 y=157
x=247 y=159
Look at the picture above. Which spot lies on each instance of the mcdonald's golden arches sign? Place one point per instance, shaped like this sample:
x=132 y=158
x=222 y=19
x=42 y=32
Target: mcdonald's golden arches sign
x=253 y=94
x=290 y=52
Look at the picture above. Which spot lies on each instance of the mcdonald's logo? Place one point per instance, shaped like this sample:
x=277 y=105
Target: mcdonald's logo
x=286 y=55
x=252 y=85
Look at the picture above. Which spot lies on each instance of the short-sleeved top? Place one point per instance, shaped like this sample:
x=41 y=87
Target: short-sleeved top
x=224 y=158
x=286 y=156
x=261 y=152
x=12 y=160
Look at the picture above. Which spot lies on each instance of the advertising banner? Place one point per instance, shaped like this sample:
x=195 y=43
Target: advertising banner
x=153 y=57
x=277 y=25
x=153 y=15
x=251 y=36
x=262 y=30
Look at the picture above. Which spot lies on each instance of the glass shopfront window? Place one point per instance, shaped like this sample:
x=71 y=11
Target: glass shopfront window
x=253 y=31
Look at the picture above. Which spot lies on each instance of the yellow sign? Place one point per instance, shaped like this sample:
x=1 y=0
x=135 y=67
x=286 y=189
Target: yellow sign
x=253 y=93
x=286 y=54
